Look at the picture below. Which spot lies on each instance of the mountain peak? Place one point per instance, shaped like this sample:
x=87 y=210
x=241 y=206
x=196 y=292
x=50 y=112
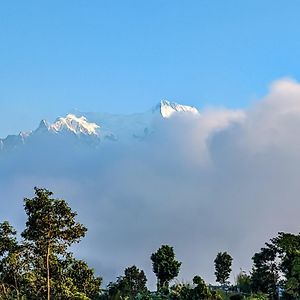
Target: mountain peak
x=78 y=125
x=43 y=124
x=167 y=108
x=84 y=126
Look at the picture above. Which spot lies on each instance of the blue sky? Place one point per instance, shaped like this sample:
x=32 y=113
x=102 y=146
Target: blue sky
x=124 y=56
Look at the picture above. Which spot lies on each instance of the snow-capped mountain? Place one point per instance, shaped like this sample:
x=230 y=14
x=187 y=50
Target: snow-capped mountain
x=98 y=127
x=137 y=125
x=167 y=108
x=74 y=124
x=70 y=124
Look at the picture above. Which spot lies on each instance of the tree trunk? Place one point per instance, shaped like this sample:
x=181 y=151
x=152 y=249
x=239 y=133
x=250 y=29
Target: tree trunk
x=48 y=272
x=17 y=287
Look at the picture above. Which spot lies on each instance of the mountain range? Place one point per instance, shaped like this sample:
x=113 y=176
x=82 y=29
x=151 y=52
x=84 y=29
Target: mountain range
x=96 y=128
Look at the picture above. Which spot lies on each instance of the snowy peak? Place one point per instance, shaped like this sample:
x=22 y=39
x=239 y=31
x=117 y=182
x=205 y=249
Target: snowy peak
x=77 y=125
x=83 y=128
x=167 y=108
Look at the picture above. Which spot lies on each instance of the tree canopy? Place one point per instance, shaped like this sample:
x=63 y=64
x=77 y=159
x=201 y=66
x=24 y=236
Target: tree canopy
x=165 y=266
x=38 y=265
x=223 y=263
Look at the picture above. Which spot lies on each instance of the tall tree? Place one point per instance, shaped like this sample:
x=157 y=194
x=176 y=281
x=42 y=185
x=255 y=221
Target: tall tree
x=223 y=263
x=165 y=266
x=50 y=229
x=287 y=246
x=10 y=262
x=265 y=274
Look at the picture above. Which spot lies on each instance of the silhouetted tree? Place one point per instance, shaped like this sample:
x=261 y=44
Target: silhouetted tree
x=223 y=263
x=265 y=272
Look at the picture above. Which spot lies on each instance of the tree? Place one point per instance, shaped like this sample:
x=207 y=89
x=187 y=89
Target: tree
x=134 y=281
x=223 y=263
x=181 y=291
x=243 y=283
x=287 y=246
x=131 y=284
x=292 y=284
x=165 y=266
x=10 y=262
x=265 y=272
x=80 y=277
x=50 y=229
x=201 y=291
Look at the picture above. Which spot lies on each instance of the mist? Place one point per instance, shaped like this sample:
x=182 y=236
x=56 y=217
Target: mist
x=226 y=180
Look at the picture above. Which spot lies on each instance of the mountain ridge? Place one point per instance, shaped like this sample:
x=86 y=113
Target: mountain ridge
x=100 y=126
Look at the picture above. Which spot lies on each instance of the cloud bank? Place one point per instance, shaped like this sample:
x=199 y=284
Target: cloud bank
x=224 y=180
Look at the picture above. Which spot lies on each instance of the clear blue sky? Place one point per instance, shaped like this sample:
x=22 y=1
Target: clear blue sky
x=124 y=56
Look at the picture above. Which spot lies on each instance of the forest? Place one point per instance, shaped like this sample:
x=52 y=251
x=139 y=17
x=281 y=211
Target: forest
x=37 y=264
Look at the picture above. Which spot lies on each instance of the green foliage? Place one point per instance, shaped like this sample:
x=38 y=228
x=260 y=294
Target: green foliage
x=201 y=290
x=165 y=266
x=129 y=286
x=180 y=291
x=244 y=283
x=50 y=229
x=292 y=284
x=265 y=272
x=51 y=223
x=40 y=267
x=83 y=278
x=236 y=297
x=258 y=296
x=11 y=264
x=287 y=246
x=71 y=277
x=197 y=291
x=223 y=263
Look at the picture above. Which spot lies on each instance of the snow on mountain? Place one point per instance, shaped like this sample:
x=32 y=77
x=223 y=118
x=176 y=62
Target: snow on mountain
x=77 y=125
x=70 y=123
x=167 y=108
x=100 y=126
x=138 y=125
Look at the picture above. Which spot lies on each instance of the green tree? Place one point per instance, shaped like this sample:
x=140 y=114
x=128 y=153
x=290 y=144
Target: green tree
x=265 y=272
x=181 y=291
x=50 y=229
x=201 y=290
x=134 y=281
x=287 y=246
x=83 y=278
x=72 y=277
x=223 y=263
x=243 y=283
x=10 y=263
x=130 y=285
x=165 y=266
x=292 y=284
